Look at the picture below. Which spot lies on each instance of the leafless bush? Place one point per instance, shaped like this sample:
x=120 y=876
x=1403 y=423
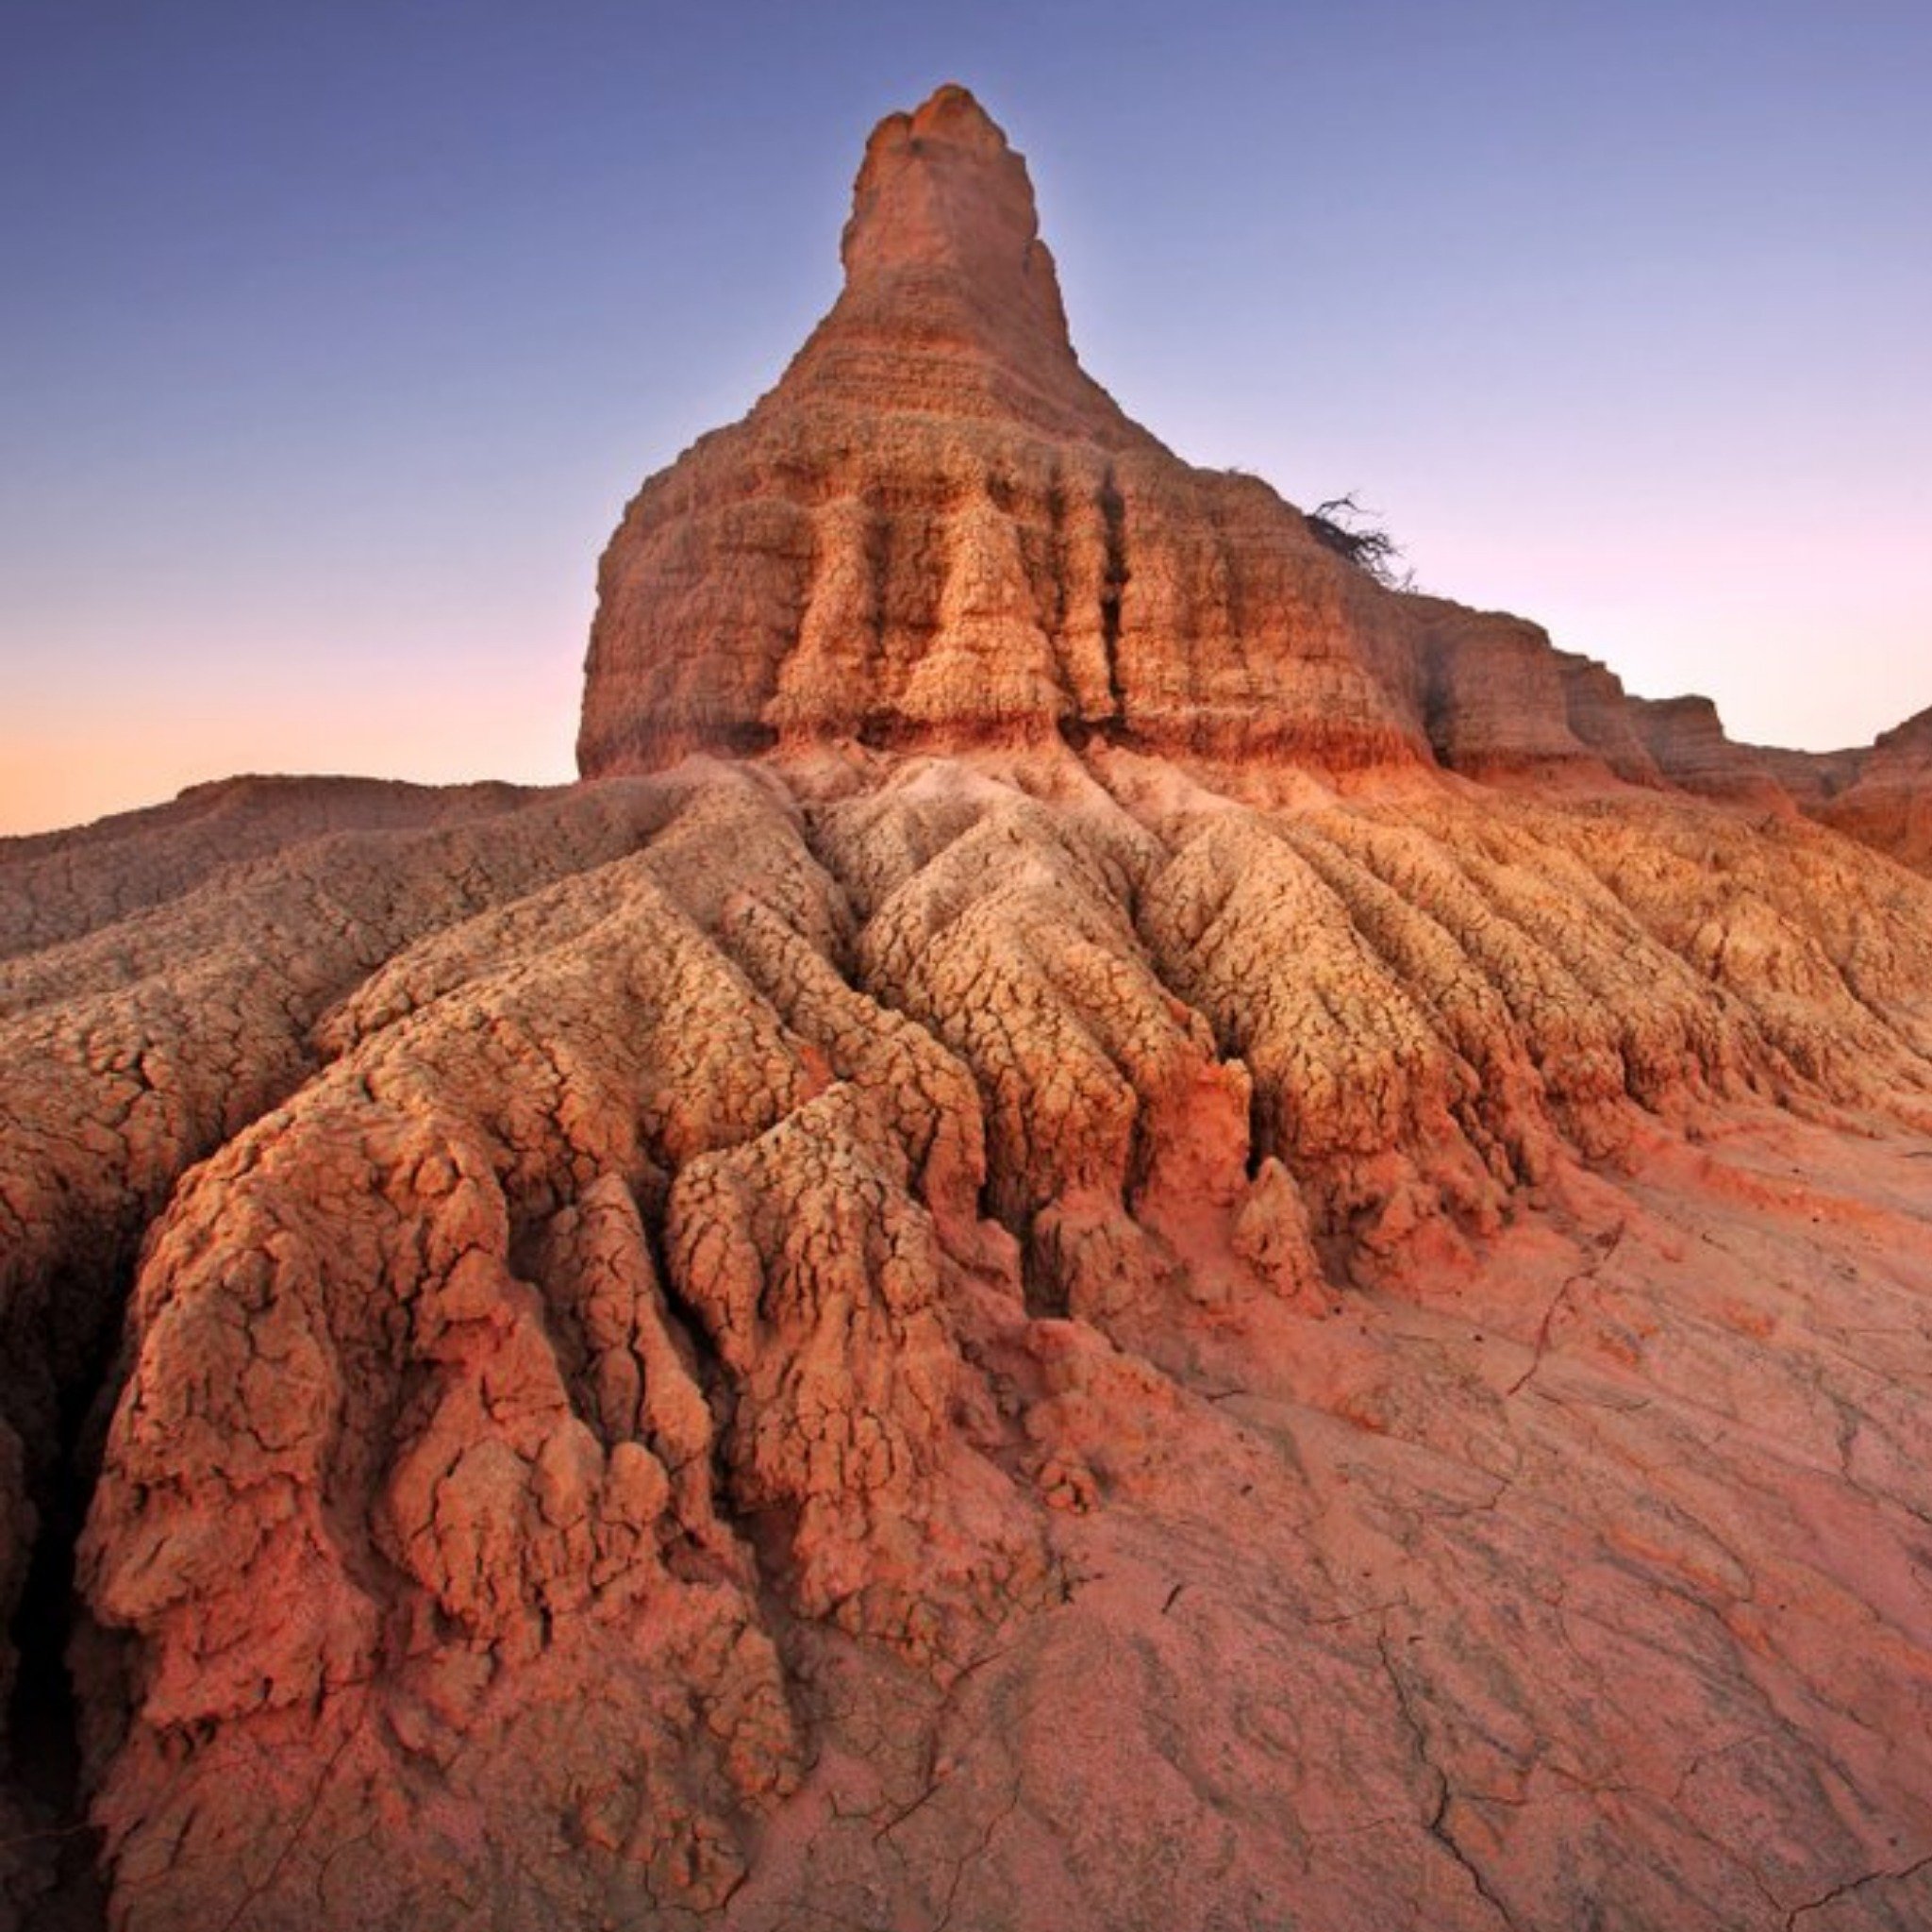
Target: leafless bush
x=1345 y=528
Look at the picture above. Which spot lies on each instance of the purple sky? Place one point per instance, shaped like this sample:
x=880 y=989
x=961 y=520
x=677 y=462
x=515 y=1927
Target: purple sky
x=336 y=335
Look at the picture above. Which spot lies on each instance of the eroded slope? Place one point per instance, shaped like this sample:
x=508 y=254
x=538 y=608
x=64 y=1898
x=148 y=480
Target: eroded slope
x=880 y=1335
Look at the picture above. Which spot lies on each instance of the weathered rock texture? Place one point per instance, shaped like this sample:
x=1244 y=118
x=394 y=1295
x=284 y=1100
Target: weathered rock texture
x=1886 y=799
x=1216 y=1249
x=939 y=531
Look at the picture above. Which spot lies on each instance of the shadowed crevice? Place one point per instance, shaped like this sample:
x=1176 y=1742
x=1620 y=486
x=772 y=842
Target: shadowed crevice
x=47 y=1720
x=1114 y=513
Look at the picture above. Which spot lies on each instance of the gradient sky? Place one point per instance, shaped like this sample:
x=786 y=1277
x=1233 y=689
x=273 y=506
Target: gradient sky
x=334 y=334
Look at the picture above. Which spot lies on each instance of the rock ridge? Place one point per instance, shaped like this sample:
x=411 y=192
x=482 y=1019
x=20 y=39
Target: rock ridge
x=746 y=1259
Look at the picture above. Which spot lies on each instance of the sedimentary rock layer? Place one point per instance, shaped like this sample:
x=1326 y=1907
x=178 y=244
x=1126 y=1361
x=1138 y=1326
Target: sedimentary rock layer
x=938 y=530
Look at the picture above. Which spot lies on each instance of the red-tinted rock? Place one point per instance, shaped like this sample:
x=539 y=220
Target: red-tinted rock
x=938 y=529
x=1889 y=801
x=1219 y=1248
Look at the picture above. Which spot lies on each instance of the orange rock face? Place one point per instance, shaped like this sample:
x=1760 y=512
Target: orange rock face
x=1214 y=1248
x=938 y=531
x=1887 y=801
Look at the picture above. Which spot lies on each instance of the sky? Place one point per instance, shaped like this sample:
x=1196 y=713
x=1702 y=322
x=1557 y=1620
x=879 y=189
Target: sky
x=336 y=334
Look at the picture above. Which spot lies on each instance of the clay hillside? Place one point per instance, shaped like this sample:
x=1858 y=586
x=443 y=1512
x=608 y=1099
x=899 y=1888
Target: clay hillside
x=1114 y=1231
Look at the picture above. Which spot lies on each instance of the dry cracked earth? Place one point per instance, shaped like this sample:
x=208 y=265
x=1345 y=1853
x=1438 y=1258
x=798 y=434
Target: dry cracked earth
x=960 y=1292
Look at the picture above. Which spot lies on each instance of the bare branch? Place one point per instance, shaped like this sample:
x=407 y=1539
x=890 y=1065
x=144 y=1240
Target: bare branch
x=1340 y=525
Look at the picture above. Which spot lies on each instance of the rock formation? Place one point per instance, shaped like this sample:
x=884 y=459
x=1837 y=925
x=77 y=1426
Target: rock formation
x=1113 y=1231
x=1885 y=796
x=938 y=532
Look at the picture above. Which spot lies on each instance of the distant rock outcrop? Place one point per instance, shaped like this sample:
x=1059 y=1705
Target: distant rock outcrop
x=1218 y=1248
x=1886 y=798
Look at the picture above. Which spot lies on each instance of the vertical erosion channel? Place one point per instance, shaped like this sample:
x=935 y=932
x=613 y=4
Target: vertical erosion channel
x=1114 y=513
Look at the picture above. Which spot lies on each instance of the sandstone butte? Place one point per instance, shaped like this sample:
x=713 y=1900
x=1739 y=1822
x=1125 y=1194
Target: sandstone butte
x=1113 y=1231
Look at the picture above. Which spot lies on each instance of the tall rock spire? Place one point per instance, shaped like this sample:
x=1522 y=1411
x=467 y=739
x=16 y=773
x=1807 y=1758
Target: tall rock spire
x=938 y=529
x=951 y=298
